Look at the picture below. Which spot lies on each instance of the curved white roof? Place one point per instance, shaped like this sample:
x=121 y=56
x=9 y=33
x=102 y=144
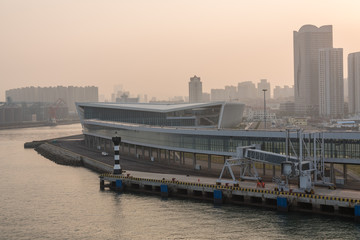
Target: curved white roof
x=153 y=107
x=230 y=114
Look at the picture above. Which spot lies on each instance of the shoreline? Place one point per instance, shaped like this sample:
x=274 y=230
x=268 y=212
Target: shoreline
x=18 y=125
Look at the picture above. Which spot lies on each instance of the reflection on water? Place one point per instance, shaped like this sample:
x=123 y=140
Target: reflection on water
x=42 y=200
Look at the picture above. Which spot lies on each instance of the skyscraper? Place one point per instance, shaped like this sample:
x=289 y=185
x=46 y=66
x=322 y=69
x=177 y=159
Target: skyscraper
x=307 y=42
x=354 y=82
x=331 y=82
x=195 y=90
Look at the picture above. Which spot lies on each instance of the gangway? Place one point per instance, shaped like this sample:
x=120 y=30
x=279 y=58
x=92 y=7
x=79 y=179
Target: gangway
x=267 y=157
x=309 y=168
x=245 y=158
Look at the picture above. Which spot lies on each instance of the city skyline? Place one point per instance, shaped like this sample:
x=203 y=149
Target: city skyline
x=154 y=47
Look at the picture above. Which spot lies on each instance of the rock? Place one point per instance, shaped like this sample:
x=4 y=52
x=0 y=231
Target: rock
x=57 y=155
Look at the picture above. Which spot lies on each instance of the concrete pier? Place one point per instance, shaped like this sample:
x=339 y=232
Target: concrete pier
x=325 y=201
x=341 y=202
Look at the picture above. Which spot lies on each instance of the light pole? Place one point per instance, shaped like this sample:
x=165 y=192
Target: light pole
x=264 y=90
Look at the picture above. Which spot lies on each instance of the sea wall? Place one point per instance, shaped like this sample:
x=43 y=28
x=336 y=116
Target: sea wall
x=65 y=157
x=327 y=203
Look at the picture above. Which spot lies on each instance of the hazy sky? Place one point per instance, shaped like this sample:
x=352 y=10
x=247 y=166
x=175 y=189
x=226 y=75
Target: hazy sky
x=154 y=47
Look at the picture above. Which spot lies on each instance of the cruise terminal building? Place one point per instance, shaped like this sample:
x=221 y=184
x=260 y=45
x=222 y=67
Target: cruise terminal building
x=170 y=131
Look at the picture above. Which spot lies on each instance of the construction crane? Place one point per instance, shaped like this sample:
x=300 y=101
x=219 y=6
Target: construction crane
x=53 y=110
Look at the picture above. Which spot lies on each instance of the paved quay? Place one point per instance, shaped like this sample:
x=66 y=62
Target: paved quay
x=168 y=179
x=341 y=193
x=159 y=170
x=75 y=144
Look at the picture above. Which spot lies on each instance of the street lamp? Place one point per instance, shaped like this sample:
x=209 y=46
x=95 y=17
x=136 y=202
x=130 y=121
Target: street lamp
x=264 y=90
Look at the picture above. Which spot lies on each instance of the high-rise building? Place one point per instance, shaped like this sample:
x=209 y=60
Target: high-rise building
x=195 y=90
x=230 y=93
x=354 y=82
x=285 y=92
x=206 y=97
x=263 y=84
x=218 y=95
x=331 y=82
x=307 y=42
x=346 y=90
x=246 y=90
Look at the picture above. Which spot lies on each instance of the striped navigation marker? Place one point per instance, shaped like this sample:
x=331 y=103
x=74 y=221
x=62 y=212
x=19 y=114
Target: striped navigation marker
x=116 y=140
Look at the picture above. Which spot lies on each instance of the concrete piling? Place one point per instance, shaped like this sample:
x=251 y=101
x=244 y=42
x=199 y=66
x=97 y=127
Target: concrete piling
x=218 y=194
x=357 y=212
x=164 y=190
x=119 y=185
x=102 y=184
x=218 y=197
x=282 y=204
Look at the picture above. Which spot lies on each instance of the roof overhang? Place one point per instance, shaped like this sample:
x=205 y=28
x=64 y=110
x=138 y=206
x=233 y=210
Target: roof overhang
x=164 y=108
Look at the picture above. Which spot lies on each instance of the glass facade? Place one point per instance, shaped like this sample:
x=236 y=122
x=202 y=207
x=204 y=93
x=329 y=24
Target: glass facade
x=333 y=148
x=204 y=116
x=167 y=133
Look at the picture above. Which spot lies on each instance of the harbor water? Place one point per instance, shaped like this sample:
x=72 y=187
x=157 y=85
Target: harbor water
x=42 y=200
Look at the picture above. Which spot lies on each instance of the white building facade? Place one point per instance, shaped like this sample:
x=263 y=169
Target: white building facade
x=283 y=92
x=354 y=82
x=331 y=82
x=218 y=95
x=263 y=84
x=230 y=93
x=246 y=90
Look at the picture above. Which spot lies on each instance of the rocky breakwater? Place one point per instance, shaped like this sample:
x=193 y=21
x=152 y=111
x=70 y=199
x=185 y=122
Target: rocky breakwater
x=33 y=144
x=50 y=150
x=59 y=155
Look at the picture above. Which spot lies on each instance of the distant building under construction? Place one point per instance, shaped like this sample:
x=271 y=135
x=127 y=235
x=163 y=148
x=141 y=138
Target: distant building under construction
x=69 y=95
x=11 y=113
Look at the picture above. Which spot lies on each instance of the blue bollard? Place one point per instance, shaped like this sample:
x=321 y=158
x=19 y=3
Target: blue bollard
x=218 y=198
x=119 y=185
x=282 y=204
x=164 y=190
x=357 y=212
